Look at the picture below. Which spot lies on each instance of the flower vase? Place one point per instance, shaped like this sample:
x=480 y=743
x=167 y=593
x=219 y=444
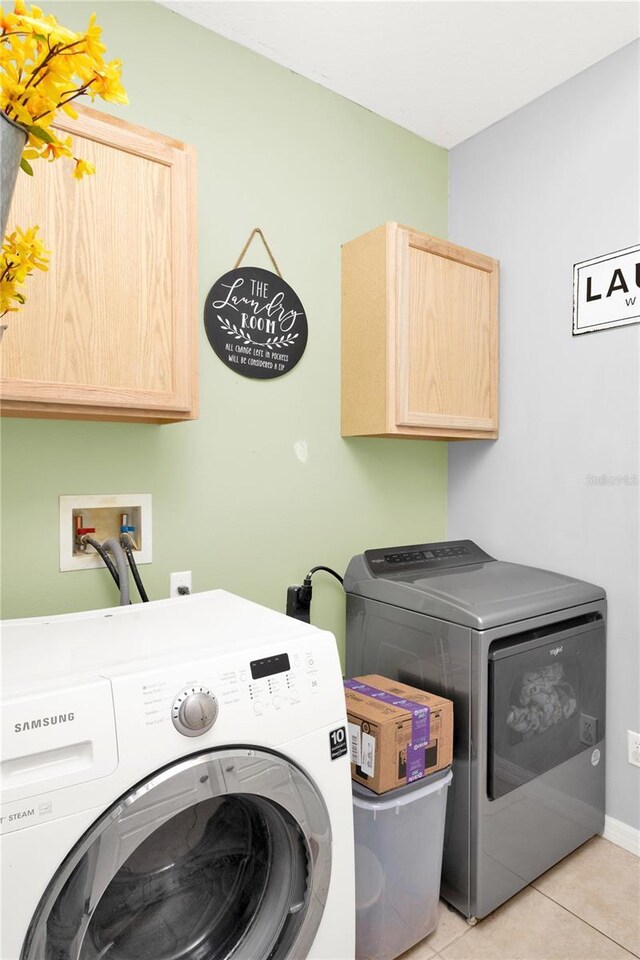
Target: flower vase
x=13 y=138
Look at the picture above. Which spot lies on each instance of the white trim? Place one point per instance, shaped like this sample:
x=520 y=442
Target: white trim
x=622 y=834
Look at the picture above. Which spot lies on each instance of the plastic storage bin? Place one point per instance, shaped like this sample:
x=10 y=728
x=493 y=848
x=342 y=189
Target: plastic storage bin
x=399 y=838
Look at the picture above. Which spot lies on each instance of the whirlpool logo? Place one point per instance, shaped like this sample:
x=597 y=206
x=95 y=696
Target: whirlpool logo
x=40 y=722
x=555 y=651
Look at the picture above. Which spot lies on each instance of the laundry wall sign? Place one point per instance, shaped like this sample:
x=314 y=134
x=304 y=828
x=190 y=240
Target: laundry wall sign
x=255 y=323
x=606 y=291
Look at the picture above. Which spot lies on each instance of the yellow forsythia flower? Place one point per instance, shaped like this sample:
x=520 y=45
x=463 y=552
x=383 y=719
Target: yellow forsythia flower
x=43 y=68
x=107 y=84
x=83 y=167
x=22 y=253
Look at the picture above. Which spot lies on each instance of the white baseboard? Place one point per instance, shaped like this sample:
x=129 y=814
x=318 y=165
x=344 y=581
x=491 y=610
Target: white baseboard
x=622 y=834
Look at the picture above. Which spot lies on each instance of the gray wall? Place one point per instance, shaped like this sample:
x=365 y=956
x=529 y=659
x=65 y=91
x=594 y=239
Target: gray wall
x=553 y=184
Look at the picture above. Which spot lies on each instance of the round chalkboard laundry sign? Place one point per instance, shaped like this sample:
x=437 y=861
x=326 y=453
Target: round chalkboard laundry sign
x=255 y=323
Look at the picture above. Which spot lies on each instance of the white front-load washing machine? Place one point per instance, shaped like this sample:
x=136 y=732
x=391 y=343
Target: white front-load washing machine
x=175 y=786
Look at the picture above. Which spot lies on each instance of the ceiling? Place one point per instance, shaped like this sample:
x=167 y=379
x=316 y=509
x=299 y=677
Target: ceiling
x=444 y=70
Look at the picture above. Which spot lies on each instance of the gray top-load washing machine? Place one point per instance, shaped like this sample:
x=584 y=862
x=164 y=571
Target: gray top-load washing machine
x=521 y=652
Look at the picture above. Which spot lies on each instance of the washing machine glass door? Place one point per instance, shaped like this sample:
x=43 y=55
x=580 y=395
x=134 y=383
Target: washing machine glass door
x=546 y=700
x=223 y=855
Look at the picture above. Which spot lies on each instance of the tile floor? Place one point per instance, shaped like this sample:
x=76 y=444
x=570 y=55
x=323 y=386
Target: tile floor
x=585 y=908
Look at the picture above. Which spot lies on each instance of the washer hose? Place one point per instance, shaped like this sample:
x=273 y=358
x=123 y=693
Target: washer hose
x=106 y=559
x=123 y=572
x=125 y=541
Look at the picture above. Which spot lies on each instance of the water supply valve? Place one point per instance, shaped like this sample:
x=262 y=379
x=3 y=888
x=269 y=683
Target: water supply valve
x=126 y=527
x=80 y=532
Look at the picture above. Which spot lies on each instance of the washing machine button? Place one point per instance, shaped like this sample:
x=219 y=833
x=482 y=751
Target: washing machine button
x=194 y=711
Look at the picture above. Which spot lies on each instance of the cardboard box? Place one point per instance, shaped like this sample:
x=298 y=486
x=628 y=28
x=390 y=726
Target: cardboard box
x=397 y=733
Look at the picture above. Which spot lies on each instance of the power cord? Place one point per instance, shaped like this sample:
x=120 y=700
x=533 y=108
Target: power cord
x=299 y=598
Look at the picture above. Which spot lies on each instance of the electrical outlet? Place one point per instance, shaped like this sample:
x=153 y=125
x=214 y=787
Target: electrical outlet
x=633 y=748
x=179 y=583
x=298 y=606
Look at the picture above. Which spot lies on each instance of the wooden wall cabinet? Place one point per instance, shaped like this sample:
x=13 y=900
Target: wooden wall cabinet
x=110 y=332
x=419 y=337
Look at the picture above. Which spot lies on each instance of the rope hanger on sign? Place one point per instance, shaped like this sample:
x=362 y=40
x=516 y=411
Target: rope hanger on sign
x=258 y=231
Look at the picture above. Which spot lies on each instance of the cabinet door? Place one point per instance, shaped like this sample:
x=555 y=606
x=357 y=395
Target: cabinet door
x=446 y=335
x=110 y=331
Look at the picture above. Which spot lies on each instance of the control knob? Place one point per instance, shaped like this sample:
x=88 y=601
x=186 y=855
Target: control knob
x=194 y=711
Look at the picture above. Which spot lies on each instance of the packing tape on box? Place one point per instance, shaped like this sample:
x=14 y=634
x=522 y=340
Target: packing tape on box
x=420 y=724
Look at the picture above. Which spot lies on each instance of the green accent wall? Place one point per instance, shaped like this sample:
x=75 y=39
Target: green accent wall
x=261 y=487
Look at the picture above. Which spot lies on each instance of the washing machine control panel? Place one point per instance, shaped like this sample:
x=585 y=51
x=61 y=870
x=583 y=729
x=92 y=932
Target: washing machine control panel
x=422 y=557
x=267 y=686
x=276 y=682
x=194 y=711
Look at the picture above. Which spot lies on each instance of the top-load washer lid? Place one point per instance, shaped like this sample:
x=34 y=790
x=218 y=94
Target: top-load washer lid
x=457 y=581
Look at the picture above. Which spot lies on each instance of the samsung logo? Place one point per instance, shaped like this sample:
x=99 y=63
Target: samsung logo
x=556 y=651
x=44 y=722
